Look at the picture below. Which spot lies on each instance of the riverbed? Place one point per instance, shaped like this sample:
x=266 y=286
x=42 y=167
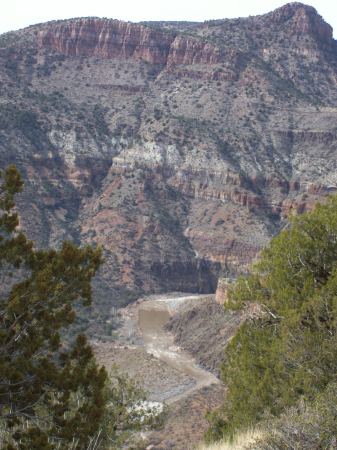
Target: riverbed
x=152 y=315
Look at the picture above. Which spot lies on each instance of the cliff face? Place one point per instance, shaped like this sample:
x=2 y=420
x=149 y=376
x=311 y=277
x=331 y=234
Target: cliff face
x=303 y=19
x=115 y=39
x=107 y=39
x=181 y=148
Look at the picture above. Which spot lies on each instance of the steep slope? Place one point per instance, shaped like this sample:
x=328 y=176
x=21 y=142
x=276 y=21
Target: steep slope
x=180 y=147
x=203 y=329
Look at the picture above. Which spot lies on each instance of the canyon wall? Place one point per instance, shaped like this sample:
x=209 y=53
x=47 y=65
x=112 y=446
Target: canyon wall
x=180 y=148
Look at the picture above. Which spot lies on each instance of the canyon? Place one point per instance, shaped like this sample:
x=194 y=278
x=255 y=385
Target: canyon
x=181 y=148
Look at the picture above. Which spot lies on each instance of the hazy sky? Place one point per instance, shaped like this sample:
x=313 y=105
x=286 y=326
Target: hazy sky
x=17 y=14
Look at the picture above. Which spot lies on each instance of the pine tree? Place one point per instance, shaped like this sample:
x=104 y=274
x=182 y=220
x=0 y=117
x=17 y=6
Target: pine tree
x=51 y=392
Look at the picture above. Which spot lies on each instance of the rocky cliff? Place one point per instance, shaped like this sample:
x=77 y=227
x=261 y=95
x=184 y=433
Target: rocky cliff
x=181 y=148
x=109 y=39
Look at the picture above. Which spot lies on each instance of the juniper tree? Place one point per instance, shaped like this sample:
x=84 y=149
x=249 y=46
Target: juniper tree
x=51 y=392
x=290 y=351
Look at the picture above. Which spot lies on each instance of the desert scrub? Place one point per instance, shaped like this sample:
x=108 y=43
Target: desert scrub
x=306 y=426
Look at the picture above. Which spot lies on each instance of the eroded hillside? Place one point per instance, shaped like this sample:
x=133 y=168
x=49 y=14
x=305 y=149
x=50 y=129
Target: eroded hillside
x=181 y=148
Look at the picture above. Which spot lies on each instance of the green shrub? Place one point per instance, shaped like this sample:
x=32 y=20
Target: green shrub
x=289 y=351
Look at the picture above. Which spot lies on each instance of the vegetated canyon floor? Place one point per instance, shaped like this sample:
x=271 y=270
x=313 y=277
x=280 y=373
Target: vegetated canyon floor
x=147 y=350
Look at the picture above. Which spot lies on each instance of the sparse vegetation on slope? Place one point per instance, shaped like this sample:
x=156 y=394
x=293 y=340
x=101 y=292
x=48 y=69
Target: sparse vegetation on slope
x=203 y=330
x=242 y=441
x=306 y=426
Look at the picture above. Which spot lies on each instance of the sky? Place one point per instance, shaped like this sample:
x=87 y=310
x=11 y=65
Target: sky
x=17 y=14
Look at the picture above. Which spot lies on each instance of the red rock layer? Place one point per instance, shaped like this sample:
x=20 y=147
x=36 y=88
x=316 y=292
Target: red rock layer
x=115 y=39
x=107 y=39
x=302 y=19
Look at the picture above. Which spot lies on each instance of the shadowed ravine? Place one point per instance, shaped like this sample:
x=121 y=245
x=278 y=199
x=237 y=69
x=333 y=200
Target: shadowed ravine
x=152 y=316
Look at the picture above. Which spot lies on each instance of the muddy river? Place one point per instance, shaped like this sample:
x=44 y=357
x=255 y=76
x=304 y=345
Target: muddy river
x=152 y=316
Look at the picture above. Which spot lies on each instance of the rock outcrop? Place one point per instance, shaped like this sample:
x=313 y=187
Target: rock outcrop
x=107 y=39
x=110 y=39
x=302 y=19
x=221 y=294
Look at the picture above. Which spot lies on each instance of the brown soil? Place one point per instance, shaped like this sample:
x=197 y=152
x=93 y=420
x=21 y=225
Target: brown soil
x=203 y=329
x=185 y=423
x=157 y=378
